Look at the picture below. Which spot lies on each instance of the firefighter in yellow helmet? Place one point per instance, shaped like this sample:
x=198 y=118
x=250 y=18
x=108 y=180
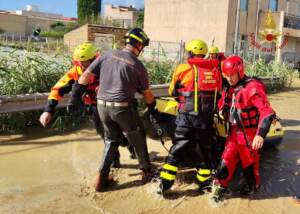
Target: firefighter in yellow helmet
x=195 y=85
x=83 y=56
x=213 y=52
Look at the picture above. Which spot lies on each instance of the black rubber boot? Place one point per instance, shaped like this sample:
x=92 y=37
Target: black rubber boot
x=205 y=186
x=164 y=186
x=248 y=190
x=250 y=186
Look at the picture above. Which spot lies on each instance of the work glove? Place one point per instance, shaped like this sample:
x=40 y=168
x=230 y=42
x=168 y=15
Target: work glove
x=155 y=115
x=75 y=111
x=75 y=105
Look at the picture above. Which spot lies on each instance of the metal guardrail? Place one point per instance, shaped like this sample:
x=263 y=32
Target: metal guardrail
x=29 y=102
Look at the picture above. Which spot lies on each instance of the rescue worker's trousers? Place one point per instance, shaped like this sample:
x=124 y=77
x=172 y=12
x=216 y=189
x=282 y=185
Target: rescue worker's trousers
x=190 y=145
x=116 y=122
x=233 y=152
x=99 y=128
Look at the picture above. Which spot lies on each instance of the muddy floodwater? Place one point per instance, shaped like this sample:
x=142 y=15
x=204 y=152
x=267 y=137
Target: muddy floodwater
x=42 y=172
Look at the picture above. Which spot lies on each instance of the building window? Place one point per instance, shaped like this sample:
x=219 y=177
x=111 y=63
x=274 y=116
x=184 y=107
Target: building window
x=273 y=5
x=244 y=5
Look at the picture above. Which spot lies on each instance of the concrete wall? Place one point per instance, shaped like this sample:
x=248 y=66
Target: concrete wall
x=290 y=46
x=13 y=24
x=43 y=23
x=176 y=20
x=119 y=14
x=24 y=25
x=75 y=37
x=117 y=33
x=91 y=32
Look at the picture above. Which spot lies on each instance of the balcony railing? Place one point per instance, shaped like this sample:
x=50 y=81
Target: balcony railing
x=291 y=21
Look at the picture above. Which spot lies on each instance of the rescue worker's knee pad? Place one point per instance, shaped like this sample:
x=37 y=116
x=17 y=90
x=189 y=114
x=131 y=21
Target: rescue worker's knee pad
x=222 y=171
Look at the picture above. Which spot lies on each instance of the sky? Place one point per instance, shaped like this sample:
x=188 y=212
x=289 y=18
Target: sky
x=66 y=7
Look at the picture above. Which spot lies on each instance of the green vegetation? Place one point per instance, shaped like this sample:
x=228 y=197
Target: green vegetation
x=281 y=72
x=140 y=19
x=88 y=10
x=52 y=46
x=58 y=29
x=159 y=72
x=53 y=34
x=24 y=72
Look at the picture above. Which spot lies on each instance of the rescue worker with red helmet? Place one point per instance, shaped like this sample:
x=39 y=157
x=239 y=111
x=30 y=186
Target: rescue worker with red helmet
x=195 y=85
x=121 y=74
x=245 y=106
x=83 y=55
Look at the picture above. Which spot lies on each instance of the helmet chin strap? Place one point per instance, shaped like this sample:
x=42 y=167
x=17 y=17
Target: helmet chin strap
x=139 y=49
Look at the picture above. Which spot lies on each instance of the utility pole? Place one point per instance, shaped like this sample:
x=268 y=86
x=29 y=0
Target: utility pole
x=237 y=23
x=256 y=27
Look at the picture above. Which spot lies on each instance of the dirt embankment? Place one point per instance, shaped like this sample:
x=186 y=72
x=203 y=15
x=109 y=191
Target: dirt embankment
x=44 y=173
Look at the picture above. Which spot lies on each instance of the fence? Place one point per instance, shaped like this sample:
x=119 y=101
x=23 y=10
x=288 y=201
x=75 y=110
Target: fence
x=157 y=50
x=292 y=58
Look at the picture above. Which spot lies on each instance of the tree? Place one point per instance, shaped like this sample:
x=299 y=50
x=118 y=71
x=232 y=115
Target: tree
x=140 y=19
x=88 y=10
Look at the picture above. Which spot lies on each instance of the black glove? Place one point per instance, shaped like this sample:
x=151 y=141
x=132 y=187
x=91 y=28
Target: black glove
x=77 y=92
x=75 y=111
x=151 y=107
x=154 y=113
x=75 y=105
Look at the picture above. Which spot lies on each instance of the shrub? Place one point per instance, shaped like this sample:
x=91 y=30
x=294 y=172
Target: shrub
x=24 y=72
x=53 y=34
x=281 y=71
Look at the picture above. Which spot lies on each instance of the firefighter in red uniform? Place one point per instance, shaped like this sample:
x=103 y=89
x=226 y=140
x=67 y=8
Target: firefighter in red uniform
x=83 y=56
x=195 y=85
x=245 y=106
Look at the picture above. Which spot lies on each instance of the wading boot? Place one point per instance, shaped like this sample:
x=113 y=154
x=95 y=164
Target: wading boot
x=102 y=182
x=247 y=189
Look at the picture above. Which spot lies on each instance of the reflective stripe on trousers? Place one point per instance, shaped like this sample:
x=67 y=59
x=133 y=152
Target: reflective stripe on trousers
x=168 y=172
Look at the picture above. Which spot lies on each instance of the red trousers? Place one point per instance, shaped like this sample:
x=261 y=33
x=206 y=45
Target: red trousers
x=236 y=149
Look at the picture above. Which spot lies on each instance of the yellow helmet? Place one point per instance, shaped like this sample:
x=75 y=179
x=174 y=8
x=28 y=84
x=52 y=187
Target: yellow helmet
x=213 y=50
x=84 y=52
x=196 y=47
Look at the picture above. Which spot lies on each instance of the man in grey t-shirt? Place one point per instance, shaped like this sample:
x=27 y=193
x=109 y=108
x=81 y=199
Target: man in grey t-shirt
x=120 y=75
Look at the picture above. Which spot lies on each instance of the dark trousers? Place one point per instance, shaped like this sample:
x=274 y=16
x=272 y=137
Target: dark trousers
x=192 y=143
x=116 y=122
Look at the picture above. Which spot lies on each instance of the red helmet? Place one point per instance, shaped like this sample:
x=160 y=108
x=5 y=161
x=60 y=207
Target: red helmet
x=232 y=65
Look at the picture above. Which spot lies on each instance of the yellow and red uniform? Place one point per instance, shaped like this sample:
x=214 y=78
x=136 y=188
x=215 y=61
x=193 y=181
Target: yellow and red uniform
x=195 y=85
x=64 y=85
x=204 y=73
